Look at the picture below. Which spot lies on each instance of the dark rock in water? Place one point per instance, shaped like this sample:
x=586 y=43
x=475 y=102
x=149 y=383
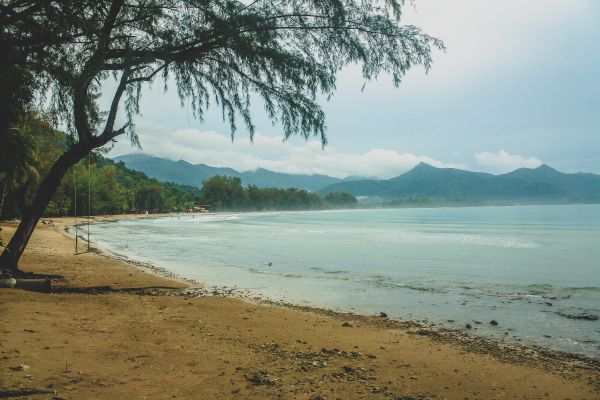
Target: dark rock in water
x=469 y=326
x=477 y=322
x=494 y=322
x=383 y=315
x=583 y=316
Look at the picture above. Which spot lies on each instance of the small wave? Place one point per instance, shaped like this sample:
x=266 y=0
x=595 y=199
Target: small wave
x=384 y=282
x=536 y=291
x=217 y=218
x=274 y=273
x=455 y=238
x=584 y=315
x=328 y=271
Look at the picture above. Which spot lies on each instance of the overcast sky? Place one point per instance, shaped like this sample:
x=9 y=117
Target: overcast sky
x=518 y=86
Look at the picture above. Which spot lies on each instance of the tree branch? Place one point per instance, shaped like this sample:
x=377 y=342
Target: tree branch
x=112 y=114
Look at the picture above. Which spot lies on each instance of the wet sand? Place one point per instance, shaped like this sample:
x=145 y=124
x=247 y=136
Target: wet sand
x=113 y=330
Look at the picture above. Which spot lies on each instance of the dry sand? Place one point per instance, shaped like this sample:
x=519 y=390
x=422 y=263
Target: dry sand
x=144 y=339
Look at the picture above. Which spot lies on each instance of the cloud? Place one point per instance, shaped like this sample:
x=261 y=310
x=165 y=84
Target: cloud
x=215 y=149
x=484 y=36
x=505 y=162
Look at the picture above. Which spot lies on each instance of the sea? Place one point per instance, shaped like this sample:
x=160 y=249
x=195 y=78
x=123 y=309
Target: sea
x=535 y=270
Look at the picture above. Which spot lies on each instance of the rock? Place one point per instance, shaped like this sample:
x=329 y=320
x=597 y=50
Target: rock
x=583 y=316
x=347 y=324
x=469 y=326
x=347 y=369
x=262 y=378
x=8 y=283
x=22 y=367
x=383 y=315
x=494 y=322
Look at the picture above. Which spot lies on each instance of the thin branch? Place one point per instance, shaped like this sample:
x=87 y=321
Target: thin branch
x=112 y=114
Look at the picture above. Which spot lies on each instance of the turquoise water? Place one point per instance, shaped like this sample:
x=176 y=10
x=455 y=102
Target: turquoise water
x=528 y=267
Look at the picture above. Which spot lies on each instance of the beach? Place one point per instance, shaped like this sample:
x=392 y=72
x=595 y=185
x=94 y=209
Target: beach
x=112 y=329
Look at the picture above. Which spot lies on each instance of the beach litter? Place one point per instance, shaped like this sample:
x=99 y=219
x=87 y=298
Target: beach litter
x=22 y=367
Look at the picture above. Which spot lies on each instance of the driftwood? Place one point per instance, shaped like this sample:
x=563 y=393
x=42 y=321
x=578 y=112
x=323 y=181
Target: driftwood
x=33 y=285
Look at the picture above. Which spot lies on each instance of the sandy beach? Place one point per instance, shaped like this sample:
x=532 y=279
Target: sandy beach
x=114 y=330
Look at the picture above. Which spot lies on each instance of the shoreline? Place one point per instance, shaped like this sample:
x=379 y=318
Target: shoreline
x=566 y=370
x=452 y=333
x=512 y=352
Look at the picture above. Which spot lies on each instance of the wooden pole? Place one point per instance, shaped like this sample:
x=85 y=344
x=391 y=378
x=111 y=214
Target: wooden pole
x=75 y=205
x=89 y=202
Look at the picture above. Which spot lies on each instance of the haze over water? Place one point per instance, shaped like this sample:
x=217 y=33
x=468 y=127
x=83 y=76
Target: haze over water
x=534 y=269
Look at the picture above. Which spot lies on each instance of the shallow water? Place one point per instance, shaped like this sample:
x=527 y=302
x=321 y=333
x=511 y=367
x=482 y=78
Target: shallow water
x=527 y=267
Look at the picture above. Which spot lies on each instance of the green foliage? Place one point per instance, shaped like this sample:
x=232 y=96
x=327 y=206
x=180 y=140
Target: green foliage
x=116 y=189
x=287 y=52
x=113 y=187
x=341 y=199
x=28 y=148
x=227 y=193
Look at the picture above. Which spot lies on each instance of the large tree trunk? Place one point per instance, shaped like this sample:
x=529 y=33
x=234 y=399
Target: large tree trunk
x=3 y=197
x=12 y=253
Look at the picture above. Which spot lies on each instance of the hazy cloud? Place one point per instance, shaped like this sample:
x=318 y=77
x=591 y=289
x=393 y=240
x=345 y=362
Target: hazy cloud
x=502 y=161
x=215 y=149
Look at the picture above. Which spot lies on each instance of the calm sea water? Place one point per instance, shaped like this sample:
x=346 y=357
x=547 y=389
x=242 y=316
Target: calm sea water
x=534 y=269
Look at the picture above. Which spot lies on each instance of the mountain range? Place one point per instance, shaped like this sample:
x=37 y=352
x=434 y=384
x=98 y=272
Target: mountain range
x=524 y=185
x=184 y=173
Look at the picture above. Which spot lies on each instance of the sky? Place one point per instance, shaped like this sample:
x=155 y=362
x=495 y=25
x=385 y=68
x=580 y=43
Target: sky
x=518 y=86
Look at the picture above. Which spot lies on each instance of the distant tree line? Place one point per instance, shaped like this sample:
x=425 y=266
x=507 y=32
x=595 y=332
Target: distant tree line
x=113 y=188
x=228 y=193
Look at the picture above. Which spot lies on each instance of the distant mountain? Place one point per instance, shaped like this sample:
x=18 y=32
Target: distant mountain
x=183 y=172
x=524 y=185
x=539 y=185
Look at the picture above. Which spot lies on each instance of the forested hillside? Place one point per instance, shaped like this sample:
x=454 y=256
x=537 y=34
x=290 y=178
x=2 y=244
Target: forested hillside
x=111 y=187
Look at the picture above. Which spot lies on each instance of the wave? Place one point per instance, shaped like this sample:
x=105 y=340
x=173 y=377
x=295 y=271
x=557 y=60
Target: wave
x=453 y=238
x=329 y=271
x=275 y=273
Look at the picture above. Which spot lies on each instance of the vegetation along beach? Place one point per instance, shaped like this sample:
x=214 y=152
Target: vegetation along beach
x=316 y=200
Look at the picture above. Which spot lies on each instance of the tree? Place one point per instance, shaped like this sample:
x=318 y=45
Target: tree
x=224 y=192
x=286 y=52
x=341 y=199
